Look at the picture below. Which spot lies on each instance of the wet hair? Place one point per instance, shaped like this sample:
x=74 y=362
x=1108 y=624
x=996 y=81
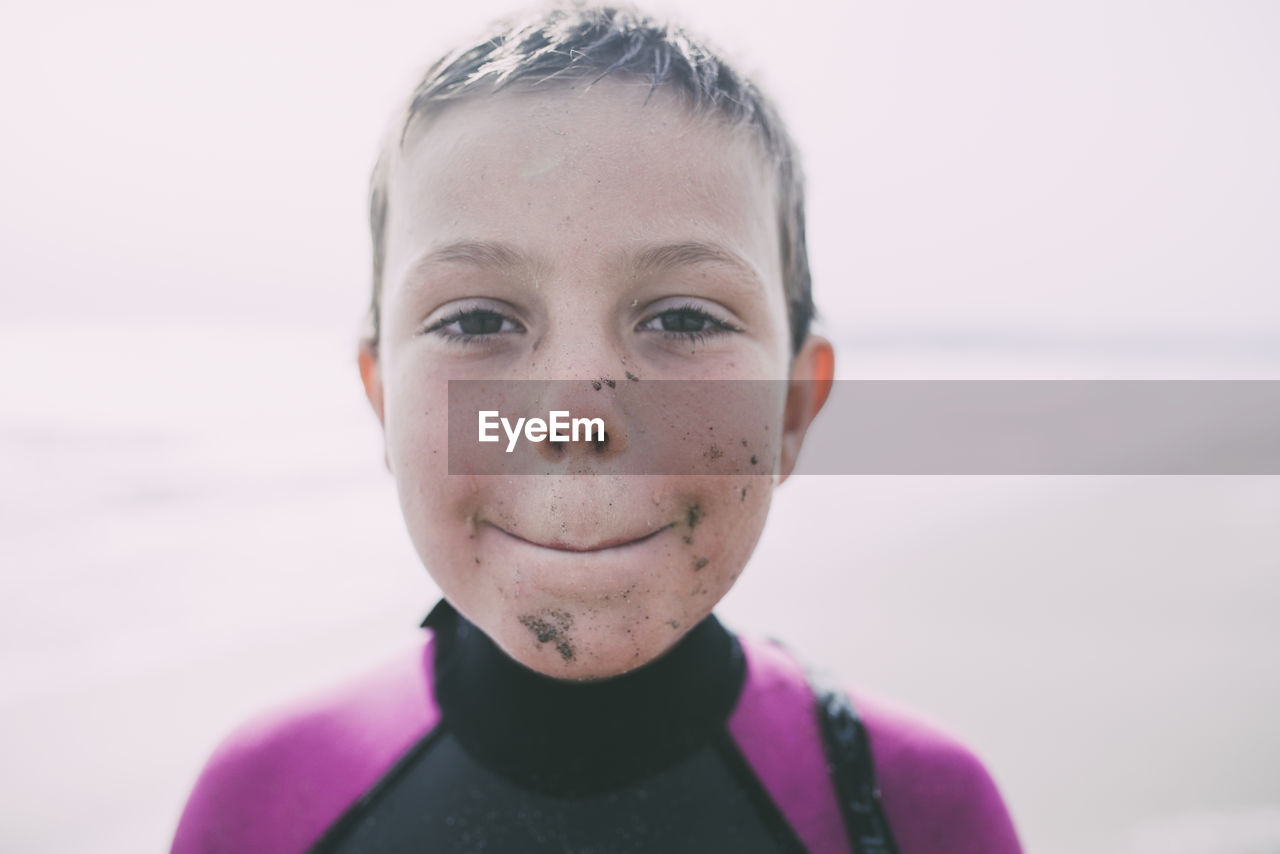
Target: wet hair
x=584 y=43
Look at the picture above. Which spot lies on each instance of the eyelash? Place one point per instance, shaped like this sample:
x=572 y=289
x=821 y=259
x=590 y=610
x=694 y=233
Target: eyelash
x=464 y=338
x=716 y=326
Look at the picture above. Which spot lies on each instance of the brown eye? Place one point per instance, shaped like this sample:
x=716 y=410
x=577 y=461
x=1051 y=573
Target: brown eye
x=686 y=323
x=683 y=320
x=479 y=322
x=473 y=324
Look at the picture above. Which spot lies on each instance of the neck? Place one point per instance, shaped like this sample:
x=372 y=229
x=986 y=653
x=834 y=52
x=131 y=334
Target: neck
x=568 y=737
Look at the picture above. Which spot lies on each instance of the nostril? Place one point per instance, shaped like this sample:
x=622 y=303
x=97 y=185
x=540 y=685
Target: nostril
x=602 y=442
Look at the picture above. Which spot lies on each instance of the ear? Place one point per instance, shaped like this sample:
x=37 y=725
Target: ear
x=371 y=376
x=812 y=372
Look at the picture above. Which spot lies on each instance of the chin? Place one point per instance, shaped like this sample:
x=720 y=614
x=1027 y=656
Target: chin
x=571 y=603
x=577 y=641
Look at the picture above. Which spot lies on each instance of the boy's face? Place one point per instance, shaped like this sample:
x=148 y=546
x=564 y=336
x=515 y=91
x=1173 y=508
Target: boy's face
x=576 y=235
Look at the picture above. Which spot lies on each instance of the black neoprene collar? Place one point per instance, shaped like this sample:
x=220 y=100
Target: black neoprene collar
x=570 y=738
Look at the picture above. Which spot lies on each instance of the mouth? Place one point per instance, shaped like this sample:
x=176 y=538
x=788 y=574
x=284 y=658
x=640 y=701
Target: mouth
x=622 y=542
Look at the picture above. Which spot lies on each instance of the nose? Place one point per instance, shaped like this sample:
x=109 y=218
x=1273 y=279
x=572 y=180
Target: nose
x=592 y=418
x=580 y=366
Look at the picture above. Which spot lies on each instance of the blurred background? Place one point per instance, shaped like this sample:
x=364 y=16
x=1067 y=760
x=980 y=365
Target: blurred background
x=195 y=521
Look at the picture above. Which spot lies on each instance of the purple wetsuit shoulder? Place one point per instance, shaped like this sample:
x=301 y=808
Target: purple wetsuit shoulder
x=937 y=796
x=776 y=729
x=277 y=783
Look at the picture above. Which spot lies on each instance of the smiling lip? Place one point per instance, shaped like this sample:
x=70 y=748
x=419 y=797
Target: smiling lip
x=561 y=546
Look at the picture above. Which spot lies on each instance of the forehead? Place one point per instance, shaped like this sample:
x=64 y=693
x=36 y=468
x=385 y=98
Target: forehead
x=580 y=172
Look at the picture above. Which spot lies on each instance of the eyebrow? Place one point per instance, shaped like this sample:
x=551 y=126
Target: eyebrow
x=481 y=253
x=669 y=256
x=647 y=260
x=484 y=254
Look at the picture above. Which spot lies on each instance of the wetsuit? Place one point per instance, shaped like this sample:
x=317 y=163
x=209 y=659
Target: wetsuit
x=716 y=746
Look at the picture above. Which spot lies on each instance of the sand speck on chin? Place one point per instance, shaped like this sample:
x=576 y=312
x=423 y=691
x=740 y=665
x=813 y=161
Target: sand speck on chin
x=692 y=517
x=551 y=626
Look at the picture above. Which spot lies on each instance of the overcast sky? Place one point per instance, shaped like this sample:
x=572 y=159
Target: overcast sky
x=1052 y=168
x=184 y=264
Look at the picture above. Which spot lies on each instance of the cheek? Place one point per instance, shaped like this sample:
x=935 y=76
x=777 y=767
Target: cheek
x=721 y=526
x=434 y=505
x=725 y=429
x=415 y=409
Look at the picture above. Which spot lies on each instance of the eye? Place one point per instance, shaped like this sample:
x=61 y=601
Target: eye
x=465 y=325
x=687 y=322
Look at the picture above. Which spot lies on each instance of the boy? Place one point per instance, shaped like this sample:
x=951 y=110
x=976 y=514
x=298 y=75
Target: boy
x=590 y=198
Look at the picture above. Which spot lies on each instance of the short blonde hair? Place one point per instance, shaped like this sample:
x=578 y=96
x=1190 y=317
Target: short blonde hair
x=580 y=42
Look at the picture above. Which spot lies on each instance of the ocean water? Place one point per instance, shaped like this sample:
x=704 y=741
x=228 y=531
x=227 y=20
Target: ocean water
x=196 y=524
